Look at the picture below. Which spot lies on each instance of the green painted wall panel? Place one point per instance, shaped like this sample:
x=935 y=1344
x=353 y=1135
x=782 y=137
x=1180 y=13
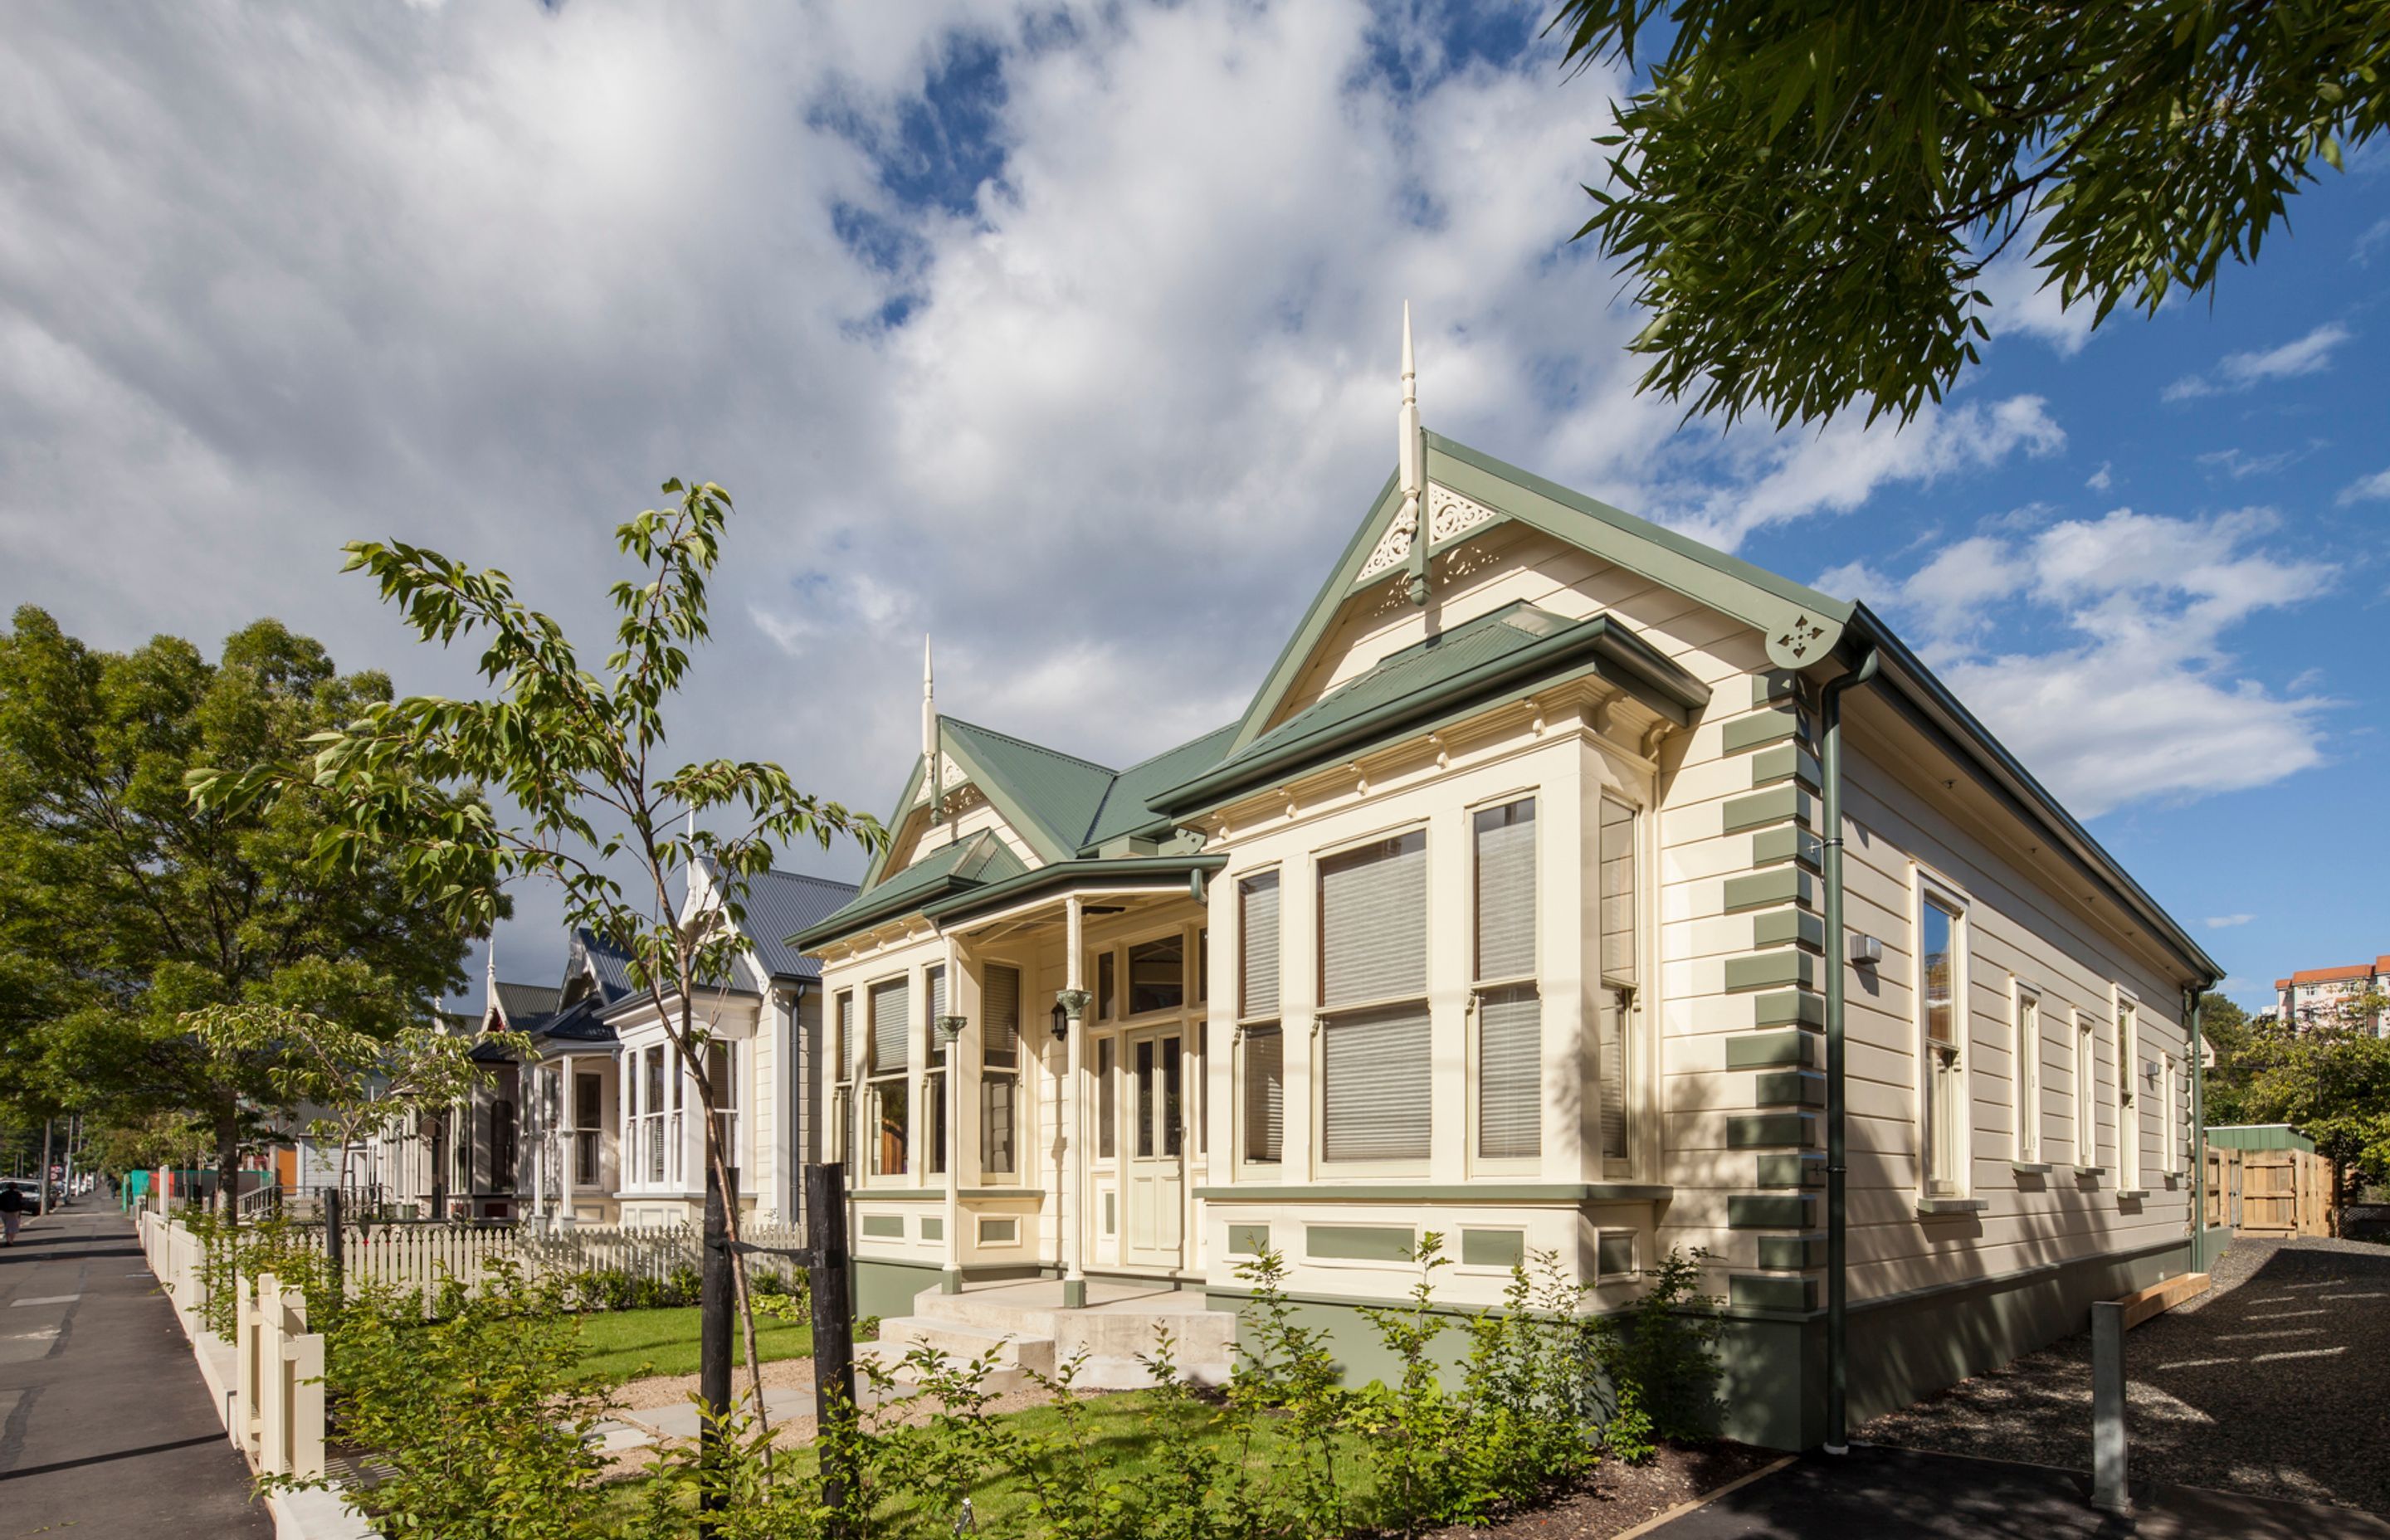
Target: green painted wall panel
x=1360 y=1242
x=1791 y=1088
x=1785 y=761
x=1768 y=1211
x=1751 y=1292
x=1771 y=971
x=1773 y=847
x=1788 y=927
x=1776 y=805
x=1761 y=729
x=1766 y=890
x=884 y=1226
x=887 y=1288
x=1792 y=1252
x=1248 y=1240
x=1761 y=1130
x=1800 y=1170
x=1790 y=1008
x=1493 y=1248
x=933 y=1227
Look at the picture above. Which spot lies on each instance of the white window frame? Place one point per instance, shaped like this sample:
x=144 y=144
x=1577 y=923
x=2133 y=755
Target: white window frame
x=2168 y=1121
x=2024 y=1078
x=1248 y=1022
x=1323 y=1014
x=1010 y=1076
x=2127 y=1014
x=2086 y=1027
x=841 y=1030
x=1957 y=1107
x=1482 y=984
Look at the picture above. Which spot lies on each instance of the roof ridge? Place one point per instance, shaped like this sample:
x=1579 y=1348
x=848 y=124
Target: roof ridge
x=1026 y=743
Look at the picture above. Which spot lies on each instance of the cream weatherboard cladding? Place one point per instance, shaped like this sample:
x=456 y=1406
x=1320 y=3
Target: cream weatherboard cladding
x=1541 y=968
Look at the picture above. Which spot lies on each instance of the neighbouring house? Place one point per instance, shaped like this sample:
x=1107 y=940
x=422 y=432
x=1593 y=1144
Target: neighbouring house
x=1500 y=914
x=2331 y=997
x=599 y=1124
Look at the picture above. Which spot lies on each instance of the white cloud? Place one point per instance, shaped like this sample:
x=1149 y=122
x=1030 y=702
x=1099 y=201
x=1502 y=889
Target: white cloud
x=2102 y=479
x=2376 y=234
x=2225 y=922
x=2366 y=489
x=2239 y=371
x=2022 y=304
x=2142 y=700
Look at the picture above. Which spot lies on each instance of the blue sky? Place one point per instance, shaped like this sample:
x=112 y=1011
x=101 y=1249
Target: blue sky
x=1068 y=332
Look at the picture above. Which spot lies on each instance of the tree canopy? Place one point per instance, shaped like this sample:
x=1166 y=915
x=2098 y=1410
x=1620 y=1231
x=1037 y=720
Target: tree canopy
x=1805 y=194
x=125 y=905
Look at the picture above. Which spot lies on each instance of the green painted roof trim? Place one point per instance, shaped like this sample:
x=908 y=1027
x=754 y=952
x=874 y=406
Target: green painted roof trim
x=1596 y=646
x=979 y=861
x=878 y=869
x=1116 y=871
x=1928 y=705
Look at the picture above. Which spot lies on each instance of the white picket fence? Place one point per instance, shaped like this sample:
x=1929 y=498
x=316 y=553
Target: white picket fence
x=276 y=1408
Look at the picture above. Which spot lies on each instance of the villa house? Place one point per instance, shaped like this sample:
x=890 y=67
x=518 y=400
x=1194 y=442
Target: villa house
x=1501 y=913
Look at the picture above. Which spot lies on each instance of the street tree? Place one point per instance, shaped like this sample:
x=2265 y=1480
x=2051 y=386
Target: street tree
x=600 y=812
x=1805 y=196
x=2331 y=1081
x=126 y=906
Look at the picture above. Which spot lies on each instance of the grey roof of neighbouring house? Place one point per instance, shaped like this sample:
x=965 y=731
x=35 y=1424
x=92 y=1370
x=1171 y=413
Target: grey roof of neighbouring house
x=779 y=906
x=526 y=1004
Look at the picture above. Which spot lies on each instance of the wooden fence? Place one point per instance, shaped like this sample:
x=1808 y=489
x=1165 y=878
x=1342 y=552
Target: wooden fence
x=2276 y=1192
x=420 y=1254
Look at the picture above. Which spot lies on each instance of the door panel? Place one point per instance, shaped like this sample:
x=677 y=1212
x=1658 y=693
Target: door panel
x=1156 y=1139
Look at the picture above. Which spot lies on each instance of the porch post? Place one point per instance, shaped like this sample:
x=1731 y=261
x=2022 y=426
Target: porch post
x=948 y=1029
x=530 y=1129
x=1074 y=1005
x=569 y=1152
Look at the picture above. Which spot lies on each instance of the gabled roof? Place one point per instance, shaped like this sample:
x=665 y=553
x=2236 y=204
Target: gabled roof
x=966 y=864
x=779 y=905
x=1051 y=798
x=597 y=959
x=526 y=1004
x=1124 y=810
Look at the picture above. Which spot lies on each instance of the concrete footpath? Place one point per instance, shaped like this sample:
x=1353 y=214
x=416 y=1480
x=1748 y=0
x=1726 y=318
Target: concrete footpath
x=108 y=1427
x=1875 y=1491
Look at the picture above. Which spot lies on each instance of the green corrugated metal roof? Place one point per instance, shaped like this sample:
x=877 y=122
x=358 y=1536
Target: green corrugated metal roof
x=1124 y=812
x=1059 y=792
x=981 y=859
x=2260 y=1135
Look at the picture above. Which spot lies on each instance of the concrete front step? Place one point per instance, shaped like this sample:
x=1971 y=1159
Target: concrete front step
x=1010 y=1355
x=1107 y=1337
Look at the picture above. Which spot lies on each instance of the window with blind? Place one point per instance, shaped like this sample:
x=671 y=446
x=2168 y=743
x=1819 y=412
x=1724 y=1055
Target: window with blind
x=2028 y=1075
x=1509 y=1009
x=1374 y=1063
x=886 y=1101
x=999 y=1058
x=934 y=1083
x=1941 y=966
x=1618 y=885
x=1261 y=1083
x=2129 y=1110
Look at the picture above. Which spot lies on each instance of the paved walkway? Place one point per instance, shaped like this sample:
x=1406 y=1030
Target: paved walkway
x=1875 y=1492
x=107 y=1429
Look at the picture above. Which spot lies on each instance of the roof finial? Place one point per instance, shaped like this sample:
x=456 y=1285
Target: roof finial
x=929 y=766
x=1410 y=456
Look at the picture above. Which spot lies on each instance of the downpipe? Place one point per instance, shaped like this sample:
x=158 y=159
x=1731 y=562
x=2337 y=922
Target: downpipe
x=1830 y=771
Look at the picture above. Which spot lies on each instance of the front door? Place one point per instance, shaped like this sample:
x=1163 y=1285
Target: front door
x=1153 y=1068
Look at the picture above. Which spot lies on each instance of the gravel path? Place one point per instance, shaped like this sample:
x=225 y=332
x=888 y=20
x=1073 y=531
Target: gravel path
x=2271 y=1384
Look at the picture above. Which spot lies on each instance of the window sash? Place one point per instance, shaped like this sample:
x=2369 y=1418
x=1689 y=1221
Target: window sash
x=1373 y=921
x=1264 y=1109
x=1621 y=891
x=1157 y=975
x=1614 y=1009
x=1510 y=1074
x=889 y=1006
x=1505 y=889
x=2087 y=1121
x=1938 y=971
x=2028 y=1076
x=999 y=1123
x=934 y=1050
x=1257 y=945
x=999 y=1009
x=1107 y=1101
x=1374 y=1083
x=841 y=1042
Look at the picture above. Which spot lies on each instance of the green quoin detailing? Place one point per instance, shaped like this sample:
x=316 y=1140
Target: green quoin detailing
x=1769 y=889
x=1786 y=761
x=1771 y=684
x=1360 y=1242
x=1794 y=1087
x=1768 y=1211
x=1777 y=805
x=884 y=1226
x=1774 y=725
x=1788 y=927
x=1747 y=1291
x=1792 y=1252
x=1493 y=1248
x=1770 y=1050
x=1770 y=970
x=1773 y=847
x=1248 y=1240
x=933 y=1227
x=1789 y=1007
x=1804 y=1169
x=1765 y=1129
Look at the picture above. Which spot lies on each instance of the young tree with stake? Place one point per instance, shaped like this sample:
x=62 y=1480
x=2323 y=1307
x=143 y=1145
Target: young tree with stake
x=579 y=754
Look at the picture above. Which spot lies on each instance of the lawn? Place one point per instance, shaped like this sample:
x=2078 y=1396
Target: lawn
x=632 y=1343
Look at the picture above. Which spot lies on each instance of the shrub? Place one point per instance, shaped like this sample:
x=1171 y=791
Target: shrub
x=1667 y=1355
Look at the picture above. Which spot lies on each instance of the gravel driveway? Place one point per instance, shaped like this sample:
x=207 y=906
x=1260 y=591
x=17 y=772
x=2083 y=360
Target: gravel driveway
x=2272 y=1383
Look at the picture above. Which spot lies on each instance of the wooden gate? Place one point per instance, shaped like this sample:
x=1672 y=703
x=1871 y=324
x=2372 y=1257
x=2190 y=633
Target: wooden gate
x=2278 y=1192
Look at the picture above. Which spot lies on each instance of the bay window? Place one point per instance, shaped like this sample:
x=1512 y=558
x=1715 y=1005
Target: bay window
x=888 y=1109
x=1374 y=1057
x=1509 y=1009
x=1262 y=1045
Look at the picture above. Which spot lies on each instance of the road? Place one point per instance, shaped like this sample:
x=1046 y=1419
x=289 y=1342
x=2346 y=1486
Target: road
x=107 y=1429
